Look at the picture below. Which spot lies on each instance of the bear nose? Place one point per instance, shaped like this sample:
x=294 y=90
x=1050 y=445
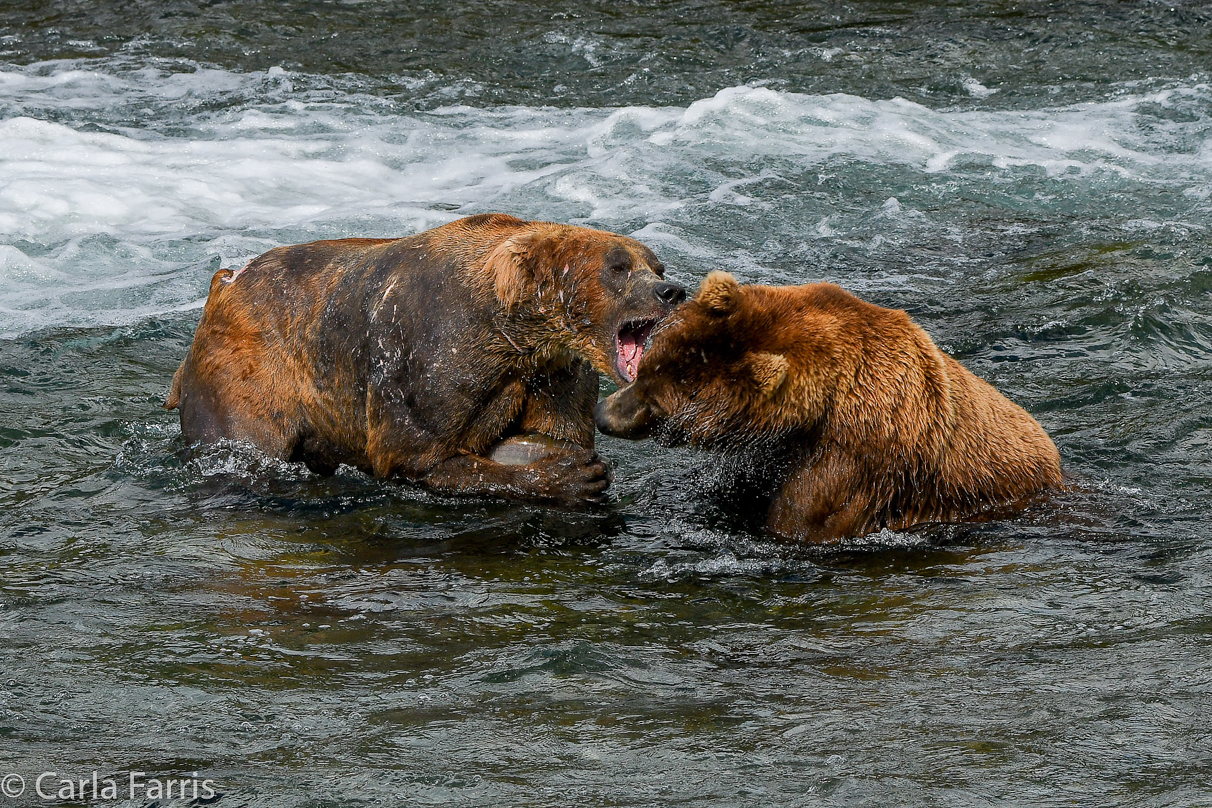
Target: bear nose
x=670 y=294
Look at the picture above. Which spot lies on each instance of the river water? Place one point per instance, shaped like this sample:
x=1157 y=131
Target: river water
x=1030 y=180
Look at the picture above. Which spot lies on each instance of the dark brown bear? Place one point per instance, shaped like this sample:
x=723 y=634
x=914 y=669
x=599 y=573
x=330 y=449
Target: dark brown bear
x=411 y=358
x=868 y=424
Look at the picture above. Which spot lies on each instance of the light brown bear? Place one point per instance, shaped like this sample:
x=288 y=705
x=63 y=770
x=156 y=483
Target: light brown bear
x=416 y=358
x=868 y=424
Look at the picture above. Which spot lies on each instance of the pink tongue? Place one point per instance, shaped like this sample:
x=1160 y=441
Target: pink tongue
x=630 y=352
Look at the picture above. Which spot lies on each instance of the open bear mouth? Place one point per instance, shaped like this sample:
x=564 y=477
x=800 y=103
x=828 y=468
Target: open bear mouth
x=629 y=346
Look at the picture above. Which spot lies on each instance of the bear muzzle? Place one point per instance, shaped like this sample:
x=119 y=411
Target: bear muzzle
x=669 y=294
x=624 y=415
x=644 y=289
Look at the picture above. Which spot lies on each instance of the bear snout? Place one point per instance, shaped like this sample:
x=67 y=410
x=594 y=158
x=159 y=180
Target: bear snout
x=670 y=294
x=623 y=415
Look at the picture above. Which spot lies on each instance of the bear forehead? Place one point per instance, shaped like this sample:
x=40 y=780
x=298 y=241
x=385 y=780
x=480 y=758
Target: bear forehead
x=613 y=242
x=609 y=249
x=697 y=341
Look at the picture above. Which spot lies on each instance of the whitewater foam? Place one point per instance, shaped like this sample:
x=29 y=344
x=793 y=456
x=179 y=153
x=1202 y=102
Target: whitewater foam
x=123 y=189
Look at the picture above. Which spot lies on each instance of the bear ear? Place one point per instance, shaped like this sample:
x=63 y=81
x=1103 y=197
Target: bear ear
x=719 y=293
x=769 y=371
x=506 y=269
x=512 y=268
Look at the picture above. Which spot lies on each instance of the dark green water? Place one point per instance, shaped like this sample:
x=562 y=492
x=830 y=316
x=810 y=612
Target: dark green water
x=1030 y=180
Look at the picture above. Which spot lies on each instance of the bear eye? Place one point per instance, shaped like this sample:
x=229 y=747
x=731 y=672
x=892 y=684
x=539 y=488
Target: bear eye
x=618 y=261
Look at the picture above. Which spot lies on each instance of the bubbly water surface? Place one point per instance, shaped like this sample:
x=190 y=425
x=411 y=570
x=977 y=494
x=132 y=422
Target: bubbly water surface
x=1030 y=181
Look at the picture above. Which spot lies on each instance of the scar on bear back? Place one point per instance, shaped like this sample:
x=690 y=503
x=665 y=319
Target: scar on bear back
x=235 y=273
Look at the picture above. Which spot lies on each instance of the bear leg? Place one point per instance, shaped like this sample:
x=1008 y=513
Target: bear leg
x=822 y=501
x=565 y=478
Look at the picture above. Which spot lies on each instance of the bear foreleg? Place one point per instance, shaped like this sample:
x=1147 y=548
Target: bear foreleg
x=822 y=501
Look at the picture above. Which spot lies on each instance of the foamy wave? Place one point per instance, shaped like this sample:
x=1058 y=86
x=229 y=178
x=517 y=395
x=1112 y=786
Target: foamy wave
x=124 y=189
x=815 y=129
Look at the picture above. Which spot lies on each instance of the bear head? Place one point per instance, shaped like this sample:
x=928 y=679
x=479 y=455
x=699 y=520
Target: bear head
x=718 y=374
x=594 y=293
